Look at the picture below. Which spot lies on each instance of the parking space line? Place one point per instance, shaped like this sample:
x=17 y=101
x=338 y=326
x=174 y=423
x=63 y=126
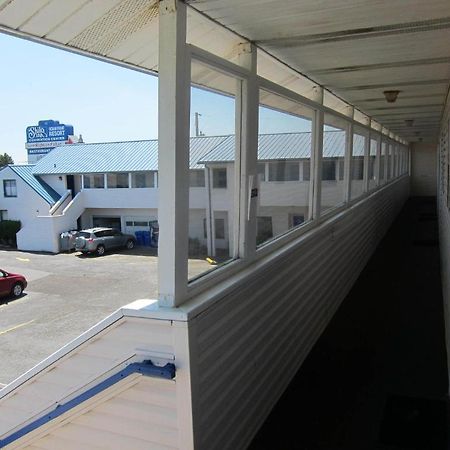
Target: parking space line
x=16 y=327
x=23 y=259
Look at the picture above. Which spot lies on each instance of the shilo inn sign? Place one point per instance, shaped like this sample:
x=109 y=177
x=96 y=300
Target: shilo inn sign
x=46 y=135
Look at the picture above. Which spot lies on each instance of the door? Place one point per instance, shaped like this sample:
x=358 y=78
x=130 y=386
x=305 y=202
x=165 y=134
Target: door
x=71 y=184
x=107 y=222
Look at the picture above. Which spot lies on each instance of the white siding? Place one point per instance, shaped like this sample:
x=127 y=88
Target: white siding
x=249 y=343
x=137 y=416
x=138 y=412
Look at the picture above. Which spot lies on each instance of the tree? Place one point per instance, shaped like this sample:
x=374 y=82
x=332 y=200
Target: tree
x=5 y=159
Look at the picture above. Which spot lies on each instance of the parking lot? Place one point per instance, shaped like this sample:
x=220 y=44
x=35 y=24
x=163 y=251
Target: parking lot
x=68 y=293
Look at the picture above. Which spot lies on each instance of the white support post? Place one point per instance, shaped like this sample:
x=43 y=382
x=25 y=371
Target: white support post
x=315 y=191
x=348 y=162
x=210 y=242
x=247 y=105
x=366 y=163
x=378 y=161
x=173 y=153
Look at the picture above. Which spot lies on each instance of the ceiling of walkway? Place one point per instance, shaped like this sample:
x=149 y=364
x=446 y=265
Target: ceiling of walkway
x=356 y=49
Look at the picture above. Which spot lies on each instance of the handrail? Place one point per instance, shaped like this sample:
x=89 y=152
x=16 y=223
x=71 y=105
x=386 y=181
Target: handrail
x=146 y=368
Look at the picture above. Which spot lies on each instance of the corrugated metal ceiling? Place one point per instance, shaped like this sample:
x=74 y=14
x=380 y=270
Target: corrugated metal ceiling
x=355 y=48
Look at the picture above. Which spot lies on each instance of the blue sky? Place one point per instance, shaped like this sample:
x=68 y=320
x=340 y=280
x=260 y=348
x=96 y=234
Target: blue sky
x=103 y=102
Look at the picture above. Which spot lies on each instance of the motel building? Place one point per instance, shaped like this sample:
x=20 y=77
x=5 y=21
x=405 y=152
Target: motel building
x=293 y=216
x=116 y=185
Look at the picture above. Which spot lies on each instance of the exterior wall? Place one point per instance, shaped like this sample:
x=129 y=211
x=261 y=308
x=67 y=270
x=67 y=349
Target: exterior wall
x=443 y=201
x=25 y=207
x=423 y=169
x=60 y=186
x=249 y=341
x=121 y=198
x=280 y=200
x=235 y=347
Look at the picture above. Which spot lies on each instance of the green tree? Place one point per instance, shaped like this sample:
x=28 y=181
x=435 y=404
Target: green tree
x=5 y=159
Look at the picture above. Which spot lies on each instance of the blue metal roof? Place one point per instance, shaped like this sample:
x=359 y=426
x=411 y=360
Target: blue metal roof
x=140 y=156
x=130 y=156
x=40 y=186
x=287 y=146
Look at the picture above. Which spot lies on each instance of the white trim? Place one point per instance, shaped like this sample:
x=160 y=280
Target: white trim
x=173 y=152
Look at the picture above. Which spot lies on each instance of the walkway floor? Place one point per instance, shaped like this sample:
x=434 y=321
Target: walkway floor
x=377 y=377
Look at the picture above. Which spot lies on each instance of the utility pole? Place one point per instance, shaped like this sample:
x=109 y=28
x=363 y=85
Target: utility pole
x=197 y=129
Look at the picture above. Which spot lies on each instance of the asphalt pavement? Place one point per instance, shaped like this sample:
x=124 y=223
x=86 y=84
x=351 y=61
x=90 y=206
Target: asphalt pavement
x=67 y=294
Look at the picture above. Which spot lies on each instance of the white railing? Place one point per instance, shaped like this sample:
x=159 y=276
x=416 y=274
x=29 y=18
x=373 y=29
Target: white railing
x=61 y=203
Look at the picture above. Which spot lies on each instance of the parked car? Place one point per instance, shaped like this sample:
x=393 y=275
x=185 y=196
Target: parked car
x=11 y=284
x=98 y=240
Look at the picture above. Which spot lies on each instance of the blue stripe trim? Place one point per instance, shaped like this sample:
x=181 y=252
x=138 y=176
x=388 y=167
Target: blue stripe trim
x=146 y=368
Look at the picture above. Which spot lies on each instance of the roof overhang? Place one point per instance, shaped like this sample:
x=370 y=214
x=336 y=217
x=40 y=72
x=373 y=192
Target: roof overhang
x=355 y=50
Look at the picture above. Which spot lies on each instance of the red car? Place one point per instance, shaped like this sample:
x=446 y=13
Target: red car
x=11 y=284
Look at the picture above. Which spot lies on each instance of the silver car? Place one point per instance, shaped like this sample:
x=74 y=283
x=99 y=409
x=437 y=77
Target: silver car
x=99 y=240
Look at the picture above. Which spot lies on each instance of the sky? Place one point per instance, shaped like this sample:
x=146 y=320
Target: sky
x=103 y=102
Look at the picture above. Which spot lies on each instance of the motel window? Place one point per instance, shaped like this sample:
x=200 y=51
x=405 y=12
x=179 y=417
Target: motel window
x=197 y=178
x=358 y=168
x=142 y=180
x=219 y=178
x=296 y=219
x=9 y=188
x=219 y=225
x=306 y=170
x=117 y=180
x=329 y=170
x=94 y=181
x=261 y=171
x=341 y=167
x=264 y=230
x=283 y=171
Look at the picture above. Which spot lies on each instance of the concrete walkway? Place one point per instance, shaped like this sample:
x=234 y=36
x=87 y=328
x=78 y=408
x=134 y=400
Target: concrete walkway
x=377 y=378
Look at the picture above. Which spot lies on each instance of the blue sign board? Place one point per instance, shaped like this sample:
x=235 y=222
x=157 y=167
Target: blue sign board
x=47 y=134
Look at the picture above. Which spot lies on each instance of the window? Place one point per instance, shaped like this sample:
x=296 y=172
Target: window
x=94 y=181
x=358 y=168
x=219 y=225
x=219 y=178
x=197 y=178
x=142 y=180
x=264 y=230
x=9 y=188
x=297 y=219
x=117 y=180
x=341 y=168
x=283 y=171
x=261 y=170
x=3 y=215
x=306 y=170
x=329 y=170
x=335 y=134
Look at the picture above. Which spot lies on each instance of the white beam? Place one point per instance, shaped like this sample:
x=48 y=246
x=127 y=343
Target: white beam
x=366 y=162
x=316 y=163
x=173 y=153
x=247 y=106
